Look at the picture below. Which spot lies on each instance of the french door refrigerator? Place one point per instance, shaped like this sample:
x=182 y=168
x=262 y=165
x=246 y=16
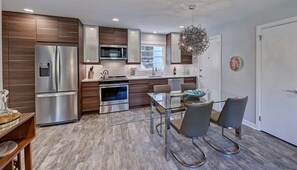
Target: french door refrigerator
x=56 y=84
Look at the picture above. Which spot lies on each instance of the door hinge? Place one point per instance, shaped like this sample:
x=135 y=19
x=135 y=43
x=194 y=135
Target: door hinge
x=260 y=37
x=260 y=118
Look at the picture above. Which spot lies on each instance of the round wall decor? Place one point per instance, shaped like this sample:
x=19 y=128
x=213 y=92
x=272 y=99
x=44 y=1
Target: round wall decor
x=236 y=63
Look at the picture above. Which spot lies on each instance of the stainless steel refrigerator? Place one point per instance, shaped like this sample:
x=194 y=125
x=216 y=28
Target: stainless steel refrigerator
x=56 y=84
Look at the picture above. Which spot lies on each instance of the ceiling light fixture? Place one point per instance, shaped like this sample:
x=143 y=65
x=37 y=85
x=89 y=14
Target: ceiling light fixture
x=115 y=19
x=193 y=40
x=28 y=10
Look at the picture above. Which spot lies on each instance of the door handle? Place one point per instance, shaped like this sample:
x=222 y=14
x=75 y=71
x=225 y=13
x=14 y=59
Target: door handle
x=200 y=76
x=292 y=91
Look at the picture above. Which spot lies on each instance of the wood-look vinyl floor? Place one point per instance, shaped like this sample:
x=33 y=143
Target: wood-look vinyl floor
x=93 y=143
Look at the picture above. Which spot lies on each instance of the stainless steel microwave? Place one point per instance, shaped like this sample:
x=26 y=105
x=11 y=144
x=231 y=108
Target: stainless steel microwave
x=113 y=52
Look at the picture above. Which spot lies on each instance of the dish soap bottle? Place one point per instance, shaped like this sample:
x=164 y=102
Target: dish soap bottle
x=174 y=71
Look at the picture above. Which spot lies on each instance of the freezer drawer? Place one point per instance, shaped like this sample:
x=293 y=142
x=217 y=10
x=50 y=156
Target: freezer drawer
x=56 y=108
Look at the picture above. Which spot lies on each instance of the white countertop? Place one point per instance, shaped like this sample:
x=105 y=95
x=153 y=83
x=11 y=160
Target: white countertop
x=144 y=77
x=158 y=77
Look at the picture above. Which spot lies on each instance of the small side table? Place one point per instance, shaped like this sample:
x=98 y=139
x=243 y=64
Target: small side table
x=22 y=133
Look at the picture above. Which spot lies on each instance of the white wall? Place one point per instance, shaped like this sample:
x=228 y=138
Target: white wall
x=239 y=38
x=1 y=75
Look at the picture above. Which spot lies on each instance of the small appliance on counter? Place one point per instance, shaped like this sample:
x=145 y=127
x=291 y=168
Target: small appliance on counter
x=104 y=75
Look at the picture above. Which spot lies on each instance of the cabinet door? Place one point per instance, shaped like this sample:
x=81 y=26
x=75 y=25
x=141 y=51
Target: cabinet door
x=91 y=36
x=68 y=31
x=175 y=51
x=186 y=58
x=120 y=36
x=134 y=46
x=47 y=29
x=90 y=96
x=106 y=36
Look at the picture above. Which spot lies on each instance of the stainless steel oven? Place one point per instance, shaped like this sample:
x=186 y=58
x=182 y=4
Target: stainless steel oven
x=114 y=97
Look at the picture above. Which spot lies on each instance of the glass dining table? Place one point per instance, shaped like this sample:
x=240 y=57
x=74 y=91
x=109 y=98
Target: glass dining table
x=170 y=101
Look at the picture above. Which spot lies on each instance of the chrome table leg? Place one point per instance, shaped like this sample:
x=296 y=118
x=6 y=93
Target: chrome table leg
x=151 y=116
x=167 y=134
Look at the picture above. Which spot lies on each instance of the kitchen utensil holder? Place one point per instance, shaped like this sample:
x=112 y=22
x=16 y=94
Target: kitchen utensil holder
x=90 y=74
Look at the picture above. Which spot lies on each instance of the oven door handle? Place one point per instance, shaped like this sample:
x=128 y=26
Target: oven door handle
x=114 y=85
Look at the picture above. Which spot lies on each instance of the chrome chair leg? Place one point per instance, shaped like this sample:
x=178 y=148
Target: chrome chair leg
x=238 y=133
x=160 y=132
x=192 y=165
x=222 y=150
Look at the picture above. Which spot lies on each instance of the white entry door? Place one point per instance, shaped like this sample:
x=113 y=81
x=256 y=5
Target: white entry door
x=210 y=69
x=278 y=69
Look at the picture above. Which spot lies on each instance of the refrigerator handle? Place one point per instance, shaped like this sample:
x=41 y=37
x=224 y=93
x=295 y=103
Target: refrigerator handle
x=56 y=94
x=54 y=74
x=58 y=67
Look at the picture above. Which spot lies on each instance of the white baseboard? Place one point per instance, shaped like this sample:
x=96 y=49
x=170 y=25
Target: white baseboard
x=250 y=124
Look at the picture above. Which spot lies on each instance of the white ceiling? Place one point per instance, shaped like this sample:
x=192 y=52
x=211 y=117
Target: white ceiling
x=162 y=16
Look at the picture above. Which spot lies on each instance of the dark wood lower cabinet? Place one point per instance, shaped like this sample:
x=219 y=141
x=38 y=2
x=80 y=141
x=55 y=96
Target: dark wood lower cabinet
x=138 y=90
x=153 y=82
x=90 y=96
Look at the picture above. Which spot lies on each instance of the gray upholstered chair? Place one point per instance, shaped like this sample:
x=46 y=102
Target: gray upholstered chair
x=194 y=124
x=163 y=89
x=230 y=117
x=188 y=86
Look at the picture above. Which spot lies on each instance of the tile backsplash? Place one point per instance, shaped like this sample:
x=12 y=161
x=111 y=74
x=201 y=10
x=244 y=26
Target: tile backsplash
x=118 y=67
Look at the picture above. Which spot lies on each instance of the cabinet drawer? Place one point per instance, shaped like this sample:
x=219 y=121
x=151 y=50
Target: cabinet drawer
x=87 y=100
x=131 y=82
x=190 y=80
x=138 y=88
x=90 y=92
x=90 y=84
x=138 y=99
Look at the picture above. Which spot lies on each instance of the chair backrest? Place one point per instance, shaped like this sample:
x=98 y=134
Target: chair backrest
x=232 y=112
x=162 y=89
x=196 y=120
x=188 y=86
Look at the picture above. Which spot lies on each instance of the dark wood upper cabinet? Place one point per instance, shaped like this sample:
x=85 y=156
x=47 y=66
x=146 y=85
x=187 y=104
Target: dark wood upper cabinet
x=173 y=53
x=57 y=30
x=47 y=29
x=113 y=36
x=68 y=30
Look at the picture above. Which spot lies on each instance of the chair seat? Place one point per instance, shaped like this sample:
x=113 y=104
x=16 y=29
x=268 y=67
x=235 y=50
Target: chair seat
x=176 y=124
x=215 y=116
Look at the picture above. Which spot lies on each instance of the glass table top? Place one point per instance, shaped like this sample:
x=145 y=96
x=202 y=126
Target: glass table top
x=175 y=100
